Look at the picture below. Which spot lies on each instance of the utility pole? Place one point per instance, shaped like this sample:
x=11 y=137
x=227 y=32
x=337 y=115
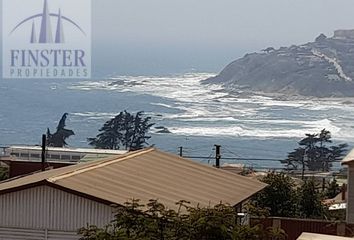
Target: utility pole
x=181 y=151
x=217 y=155
x=44 y=140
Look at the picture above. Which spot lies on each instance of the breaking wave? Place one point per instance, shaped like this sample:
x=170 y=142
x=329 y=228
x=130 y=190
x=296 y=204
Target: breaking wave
x=261 y=132
x=188 y=107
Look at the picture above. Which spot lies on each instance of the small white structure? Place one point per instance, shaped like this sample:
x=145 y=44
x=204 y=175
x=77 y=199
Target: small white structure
x=314 y=236
x=54 y=204
x=33 y=153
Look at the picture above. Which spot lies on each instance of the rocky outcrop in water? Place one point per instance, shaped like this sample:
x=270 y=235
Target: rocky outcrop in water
x=323 y=68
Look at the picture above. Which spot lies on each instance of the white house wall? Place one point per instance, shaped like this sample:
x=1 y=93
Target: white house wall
x=45 y=207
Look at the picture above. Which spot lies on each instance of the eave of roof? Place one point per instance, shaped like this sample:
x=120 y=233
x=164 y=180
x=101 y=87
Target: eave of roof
x=349 y=158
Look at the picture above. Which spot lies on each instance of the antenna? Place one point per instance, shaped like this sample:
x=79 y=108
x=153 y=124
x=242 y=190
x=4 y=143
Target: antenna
x=44 y=140
x=217 y=155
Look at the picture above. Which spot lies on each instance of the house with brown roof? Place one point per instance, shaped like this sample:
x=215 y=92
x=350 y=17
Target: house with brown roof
x=57 y=202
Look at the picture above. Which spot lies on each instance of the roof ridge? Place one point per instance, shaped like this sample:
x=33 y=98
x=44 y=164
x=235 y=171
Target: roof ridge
x=98 y=165
x=208 y=166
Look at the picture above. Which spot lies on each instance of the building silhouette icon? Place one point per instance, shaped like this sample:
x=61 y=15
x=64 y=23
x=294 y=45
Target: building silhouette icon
x=45 y=34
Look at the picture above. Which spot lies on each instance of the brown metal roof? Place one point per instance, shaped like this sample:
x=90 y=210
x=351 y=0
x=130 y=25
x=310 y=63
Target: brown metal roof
x=146 y=174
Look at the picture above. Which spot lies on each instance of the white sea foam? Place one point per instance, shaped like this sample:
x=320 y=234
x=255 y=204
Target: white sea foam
x=242 y=131
x=221 y=114
x=162 y=105
x=94 y=115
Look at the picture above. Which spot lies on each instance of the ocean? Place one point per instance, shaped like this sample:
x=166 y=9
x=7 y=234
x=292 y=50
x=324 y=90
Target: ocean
x=251 y=127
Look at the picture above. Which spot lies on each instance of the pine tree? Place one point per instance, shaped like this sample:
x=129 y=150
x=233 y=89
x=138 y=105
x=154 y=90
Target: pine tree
x=279 y=196
x=310 y=201
x=126 y=130
x=315 y=153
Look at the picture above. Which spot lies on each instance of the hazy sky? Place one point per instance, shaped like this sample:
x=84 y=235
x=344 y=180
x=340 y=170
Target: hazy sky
x=171 y=36
x=154 y=35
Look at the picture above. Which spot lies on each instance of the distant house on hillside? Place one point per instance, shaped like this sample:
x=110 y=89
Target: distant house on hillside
x=344 y=34
x=57 y=202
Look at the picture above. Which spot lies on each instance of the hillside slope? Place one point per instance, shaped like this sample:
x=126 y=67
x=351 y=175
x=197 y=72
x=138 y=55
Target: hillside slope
x=323 y=68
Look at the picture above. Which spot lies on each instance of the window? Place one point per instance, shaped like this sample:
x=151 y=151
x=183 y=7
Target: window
x=35 y=155
x=54 y=156
x=65 y=157
x=76 y=158
x=25 y=155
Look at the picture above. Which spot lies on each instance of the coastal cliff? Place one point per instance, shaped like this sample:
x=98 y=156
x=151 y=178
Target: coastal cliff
x=323 y=68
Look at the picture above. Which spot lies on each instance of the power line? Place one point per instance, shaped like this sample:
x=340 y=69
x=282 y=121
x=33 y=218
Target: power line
x=261 y=149
x=237 y=156
x=246 y=159
x=239 y=159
